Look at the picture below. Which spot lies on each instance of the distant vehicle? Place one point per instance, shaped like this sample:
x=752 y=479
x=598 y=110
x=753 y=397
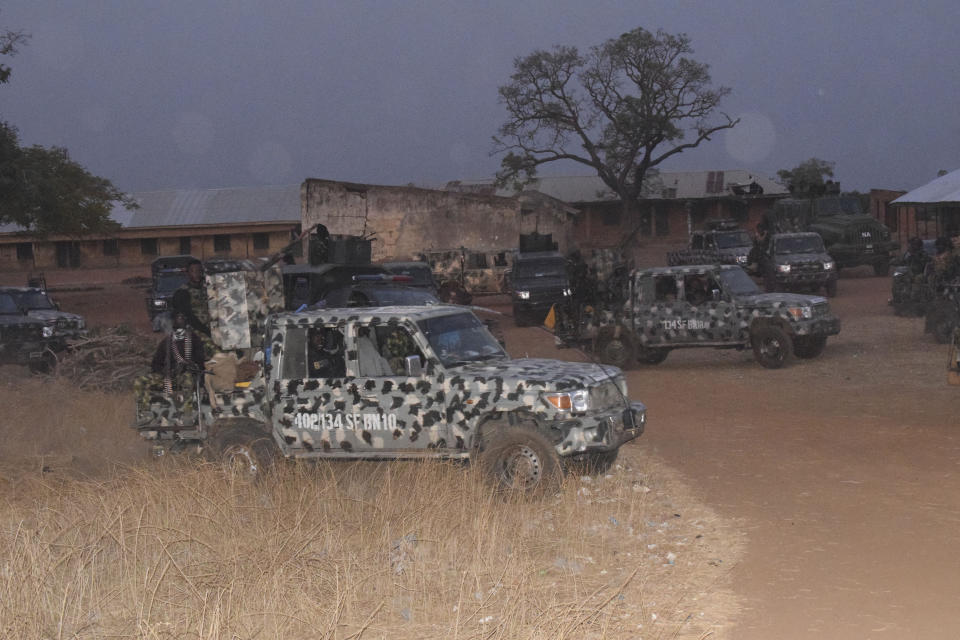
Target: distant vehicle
x=23 y=340
x=793 y=261
x=420 y=273
x=537 y=281
x=851 y=236
x=305 y=285
x=376 y=293
x=37 y=304
x=167 y=273
x=724 y=242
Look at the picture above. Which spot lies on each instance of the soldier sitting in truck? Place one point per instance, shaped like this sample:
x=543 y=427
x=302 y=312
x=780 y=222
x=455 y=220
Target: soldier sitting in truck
x=325 y=357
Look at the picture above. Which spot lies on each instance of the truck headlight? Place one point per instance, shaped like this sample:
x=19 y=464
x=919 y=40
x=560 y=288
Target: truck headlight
x=829 y=265
x=47 y=332
x=783 y=268
x=578 y=400
x=160 y=304
x=566 y=292
x=799 y=313
x=741 y=259
x=523 y=295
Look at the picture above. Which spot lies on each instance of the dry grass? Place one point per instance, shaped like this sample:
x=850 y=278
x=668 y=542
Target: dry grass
x=176 y=549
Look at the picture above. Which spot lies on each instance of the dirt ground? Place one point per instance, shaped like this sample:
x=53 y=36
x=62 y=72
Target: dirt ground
x=843 y=471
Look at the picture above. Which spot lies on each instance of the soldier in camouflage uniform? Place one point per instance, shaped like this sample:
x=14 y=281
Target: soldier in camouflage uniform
x=191 y=299
x=178 y=360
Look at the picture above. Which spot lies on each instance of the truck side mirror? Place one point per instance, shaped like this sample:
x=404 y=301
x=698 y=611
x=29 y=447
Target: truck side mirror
x=413 y=365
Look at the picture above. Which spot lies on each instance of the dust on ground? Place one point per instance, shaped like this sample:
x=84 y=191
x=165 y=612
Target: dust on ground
x=842 y=472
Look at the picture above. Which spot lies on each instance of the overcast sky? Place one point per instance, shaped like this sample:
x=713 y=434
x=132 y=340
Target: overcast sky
x=204 y=94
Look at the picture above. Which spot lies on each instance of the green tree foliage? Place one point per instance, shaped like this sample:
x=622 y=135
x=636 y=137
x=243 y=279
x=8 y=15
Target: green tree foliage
x=807 y=177
x=621 y=109
x=45 y=192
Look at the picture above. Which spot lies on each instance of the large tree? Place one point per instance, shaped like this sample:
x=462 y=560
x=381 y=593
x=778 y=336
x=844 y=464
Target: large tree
x=621 y=109
x=807 y=177
x=43 y=190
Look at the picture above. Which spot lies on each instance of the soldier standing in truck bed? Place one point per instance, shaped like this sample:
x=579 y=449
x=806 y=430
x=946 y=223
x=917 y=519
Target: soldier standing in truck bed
x=191 y=299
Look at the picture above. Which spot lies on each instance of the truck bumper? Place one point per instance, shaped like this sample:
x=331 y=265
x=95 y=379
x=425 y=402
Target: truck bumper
x=603 y=431
x=819 y=327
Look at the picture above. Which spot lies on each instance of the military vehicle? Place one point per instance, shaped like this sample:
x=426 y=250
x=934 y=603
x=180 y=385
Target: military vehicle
x=23 y=340
x=537 y=281
x=461 y=273
x=38 y=304
x=167 y=273
x=851 y=237
x=420 y=274
x=723 y=242
x=716 y=306
x=421 y=382
x=794 y=261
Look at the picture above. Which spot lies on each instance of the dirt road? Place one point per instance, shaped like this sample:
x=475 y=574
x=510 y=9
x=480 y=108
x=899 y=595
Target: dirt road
x=844 y=471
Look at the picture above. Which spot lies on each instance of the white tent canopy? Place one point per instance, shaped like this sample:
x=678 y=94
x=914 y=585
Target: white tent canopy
x=943 y=190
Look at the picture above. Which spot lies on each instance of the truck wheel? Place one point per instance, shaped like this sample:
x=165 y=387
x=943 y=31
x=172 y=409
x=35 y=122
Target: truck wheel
x=881 y=268
x=772 y=346
x=942 y=323
x=769 y=282
x=830 y=288
x=519 y=459
x=617 y=351
x=243 y=449
x=809 y=346
x=520 y=317
x=651 y=355
x=594 y=463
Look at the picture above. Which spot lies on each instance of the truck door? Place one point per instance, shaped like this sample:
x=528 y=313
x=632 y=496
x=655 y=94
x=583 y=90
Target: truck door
x=308 y=387
x=706 y=315
x=399 y=405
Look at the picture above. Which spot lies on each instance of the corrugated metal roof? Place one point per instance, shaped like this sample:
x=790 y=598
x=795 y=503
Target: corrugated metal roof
x=183 y=207
x=943 y=190
x=203 y=207
x=669 y=184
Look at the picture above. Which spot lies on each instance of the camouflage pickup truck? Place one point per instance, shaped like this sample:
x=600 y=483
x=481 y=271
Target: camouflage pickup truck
x=669 y=308
x=392 y=383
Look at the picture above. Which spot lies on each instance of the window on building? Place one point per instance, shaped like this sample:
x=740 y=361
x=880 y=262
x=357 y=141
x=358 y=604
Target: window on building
x=611 y=217
x=661 y=221
x=715 y=182
x=221 y=243
x=111 y=247
x=24 y=251
x=185 y=245
x=148 y=246
x=261 y=241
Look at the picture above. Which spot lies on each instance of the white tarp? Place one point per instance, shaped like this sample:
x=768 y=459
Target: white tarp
x=943 y=190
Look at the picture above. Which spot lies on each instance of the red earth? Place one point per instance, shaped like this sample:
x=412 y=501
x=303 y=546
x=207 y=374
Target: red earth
x=843 y=471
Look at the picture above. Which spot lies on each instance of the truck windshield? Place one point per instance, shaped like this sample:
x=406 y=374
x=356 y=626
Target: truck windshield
x=460 y=338
x=169 y=282
x=34 y=300
x=547 y=268
x=7 y=304
x=799 y=244
x=731 y=239
x=736 y=282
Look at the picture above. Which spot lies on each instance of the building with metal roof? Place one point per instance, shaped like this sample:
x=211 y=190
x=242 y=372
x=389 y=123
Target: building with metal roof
x=244 y=222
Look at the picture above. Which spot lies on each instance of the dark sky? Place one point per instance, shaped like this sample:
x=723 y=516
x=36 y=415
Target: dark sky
x=205 y=94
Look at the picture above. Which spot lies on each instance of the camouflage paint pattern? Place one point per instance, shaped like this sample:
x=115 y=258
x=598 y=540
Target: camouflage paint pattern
x=239 y=303
x=727 y=321
x=455 y=265
x=440 y=412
